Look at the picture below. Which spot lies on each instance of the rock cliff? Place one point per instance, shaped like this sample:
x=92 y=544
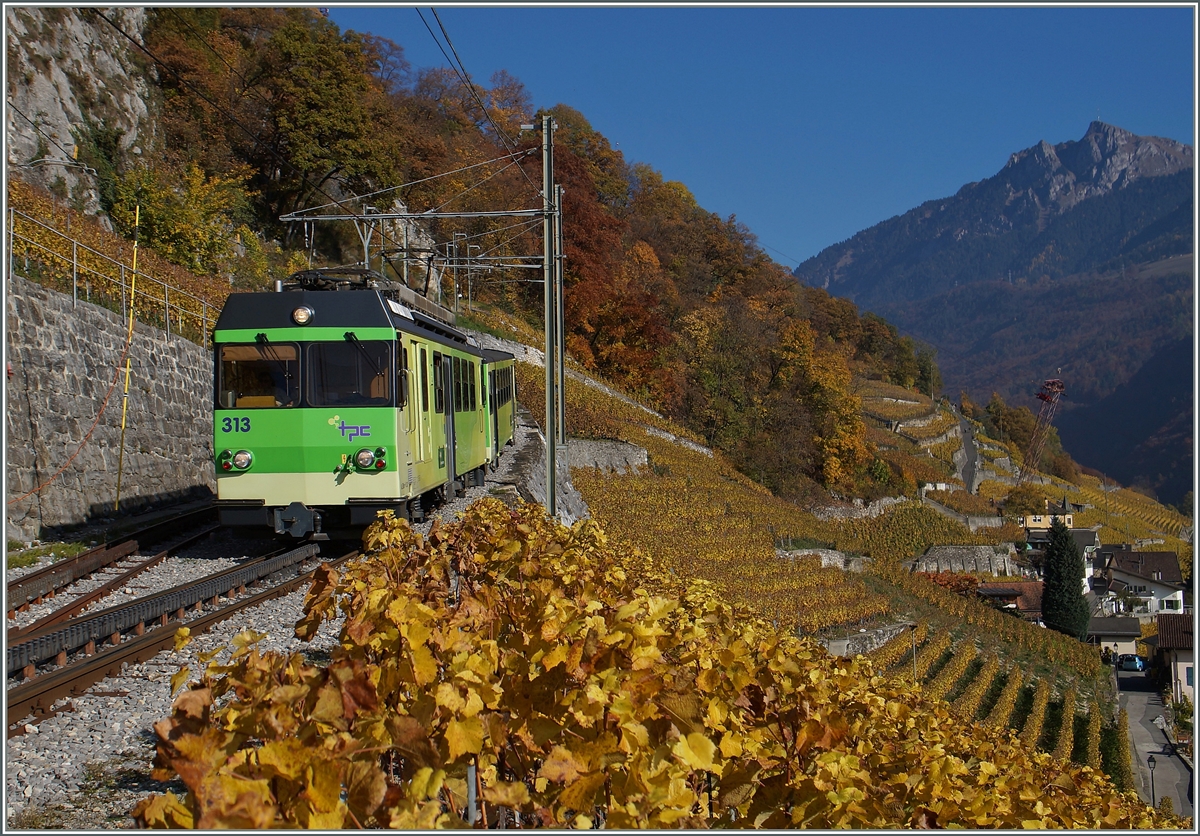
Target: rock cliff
x=72 y=74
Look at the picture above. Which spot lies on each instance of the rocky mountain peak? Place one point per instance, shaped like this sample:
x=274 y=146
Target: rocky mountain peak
x=1104 y=159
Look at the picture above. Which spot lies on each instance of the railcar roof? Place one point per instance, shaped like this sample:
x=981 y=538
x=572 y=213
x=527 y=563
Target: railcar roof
x=365 y=308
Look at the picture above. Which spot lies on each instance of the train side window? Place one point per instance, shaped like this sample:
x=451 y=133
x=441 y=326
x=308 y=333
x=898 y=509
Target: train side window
x=472 y=387
x=439 y=394
x=258 y=375
x=424 y=381
x=402 y=379
x=456 y=379
x=462 y=385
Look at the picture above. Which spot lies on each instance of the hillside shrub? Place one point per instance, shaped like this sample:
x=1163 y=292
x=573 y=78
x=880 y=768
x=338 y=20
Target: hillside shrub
x=578 y=686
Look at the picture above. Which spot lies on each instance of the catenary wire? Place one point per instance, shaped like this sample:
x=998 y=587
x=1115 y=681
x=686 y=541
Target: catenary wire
x=461 y=71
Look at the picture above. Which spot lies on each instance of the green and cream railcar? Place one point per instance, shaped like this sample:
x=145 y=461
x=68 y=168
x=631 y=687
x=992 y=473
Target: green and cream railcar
x=332 y=405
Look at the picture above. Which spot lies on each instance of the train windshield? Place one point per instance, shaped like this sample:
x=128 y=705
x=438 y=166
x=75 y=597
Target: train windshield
x=351 y=373
x=258 y=375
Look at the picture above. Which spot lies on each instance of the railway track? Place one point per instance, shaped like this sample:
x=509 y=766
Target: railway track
x=33 y=588
x=63 y=660
x=122 y=572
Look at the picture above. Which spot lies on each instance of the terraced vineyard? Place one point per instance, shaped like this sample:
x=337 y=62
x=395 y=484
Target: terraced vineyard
x=707 y=520
x=963 y=502
x=703 y=519
x=942 y=421
x=986 y=689
x=944 y=450
x=887 y=402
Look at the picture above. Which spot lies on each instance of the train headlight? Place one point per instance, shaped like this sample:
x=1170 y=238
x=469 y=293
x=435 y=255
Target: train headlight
x=242 y=459
x=364 y=459
x=223 y=460
x=302 y=315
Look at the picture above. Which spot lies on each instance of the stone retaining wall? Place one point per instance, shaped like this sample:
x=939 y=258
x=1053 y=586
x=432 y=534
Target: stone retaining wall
x=967 y=559
x=972 y=522
x=864 y=642
x=830 y=558
x=65 y=360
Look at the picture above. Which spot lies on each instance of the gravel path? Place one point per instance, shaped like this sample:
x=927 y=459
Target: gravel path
x=86 y=769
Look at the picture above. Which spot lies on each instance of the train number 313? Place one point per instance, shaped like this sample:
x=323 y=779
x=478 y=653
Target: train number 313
x=235 y=425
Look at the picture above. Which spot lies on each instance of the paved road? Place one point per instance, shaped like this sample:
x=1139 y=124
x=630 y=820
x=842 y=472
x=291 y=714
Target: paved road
x=1171 y=775
x=968 y=441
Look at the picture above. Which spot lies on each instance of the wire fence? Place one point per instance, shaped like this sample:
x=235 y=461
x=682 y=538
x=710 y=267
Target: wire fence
x=43 y=254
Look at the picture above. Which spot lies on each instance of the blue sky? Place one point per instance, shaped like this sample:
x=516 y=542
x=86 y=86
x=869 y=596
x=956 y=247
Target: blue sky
x=811 y=123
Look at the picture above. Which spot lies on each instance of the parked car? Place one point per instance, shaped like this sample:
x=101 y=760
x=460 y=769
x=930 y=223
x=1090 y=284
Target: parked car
x=1130 y=662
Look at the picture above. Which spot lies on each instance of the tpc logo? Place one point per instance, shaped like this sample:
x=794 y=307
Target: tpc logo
x=351 y=431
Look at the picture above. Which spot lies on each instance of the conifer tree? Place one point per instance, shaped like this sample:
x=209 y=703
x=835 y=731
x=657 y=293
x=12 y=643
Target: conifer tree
x=1063 y=606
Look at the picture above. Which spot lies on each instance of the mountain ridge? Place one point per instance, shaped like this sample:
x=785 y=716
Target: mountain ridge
x=996 y=228
x=1073 y=258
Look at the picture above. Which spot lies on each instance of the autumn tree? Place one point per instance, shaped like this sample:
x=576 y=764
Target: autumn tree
x=189 y=218
x=1024 y=500
x=1013 y=425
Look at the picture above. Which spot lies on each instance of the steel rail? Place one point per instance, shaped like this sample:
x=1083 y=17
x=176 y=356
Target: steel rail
x=37 y=697
x=56 y=641
x=31 y=588
x=86 y=600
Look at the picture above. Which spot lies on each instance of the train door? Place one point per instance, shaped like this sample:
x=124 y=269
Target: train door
x=445 y=377
x=415 y=422
x=479 y=404
x=493 y=417
x=425 y=431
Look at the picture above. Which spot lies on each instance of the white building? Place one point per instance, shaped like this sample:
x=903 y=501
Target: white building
x=1141 y=583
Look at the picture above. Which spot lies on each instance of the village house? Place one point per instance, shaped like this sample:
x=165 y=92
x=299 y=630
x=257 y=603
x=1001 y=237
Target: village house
x=1142 y=583
x=1037 y=536
x=1023 y=598
x=1117 y=635
x=1175 y=653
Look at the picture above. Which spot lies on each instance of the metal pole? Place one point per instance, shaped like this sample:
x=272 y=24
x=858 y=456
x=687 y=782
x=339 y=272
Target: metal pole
x=457 y=235
x=470 y=273
x=560 y=324
x=472 y=801
x=137 y=215
x=74 y=273
x=550 y=309
x=167 y=310
x=405 y=253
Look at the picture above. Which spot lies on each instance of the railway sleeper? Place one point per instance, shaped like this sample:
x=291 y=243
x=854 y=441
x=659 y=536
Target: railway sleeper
x=45 y=645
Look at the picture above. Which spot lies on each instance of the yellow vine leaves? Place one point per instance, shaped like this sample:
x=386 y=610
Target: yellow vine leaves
x=577 y=685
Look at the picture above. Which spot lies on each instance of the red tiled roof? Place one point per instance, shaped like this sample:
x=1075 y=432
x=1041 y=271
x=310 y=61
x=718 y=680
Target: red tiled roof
x=1174 y=631
x=1029 y=594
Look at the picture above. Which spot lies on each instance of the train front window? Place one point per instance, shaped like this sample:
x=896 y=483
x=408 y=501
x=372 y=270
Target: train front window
x=351 y=373
x=258 y=375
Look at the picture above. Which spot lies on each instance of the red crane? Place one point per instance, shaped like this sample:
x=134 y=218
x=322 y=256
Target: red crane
x=1049 y=395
